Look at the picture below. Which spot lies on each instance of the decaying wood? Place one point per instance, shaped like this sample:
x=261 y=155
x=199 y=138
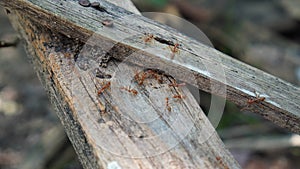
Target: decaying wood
x=108 y=128
x=197 y=64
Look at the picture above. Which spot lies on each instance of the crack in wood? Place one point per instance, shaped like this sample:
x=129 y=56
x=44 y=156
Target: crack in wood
x=164 y=41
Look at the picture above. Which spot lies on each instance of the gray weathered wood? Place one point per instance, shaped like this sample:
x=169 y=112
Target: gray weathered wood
x=203 y=64
x=98 y=127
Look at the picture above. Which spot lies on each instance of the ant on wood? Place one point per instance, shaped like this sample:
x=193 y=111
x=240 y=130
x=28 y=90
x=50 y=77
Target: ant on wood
x=141 y=77
x=174 y=49
x=176 y=84
x=178 y=96
x=107 y=85
x=148 y=38
x=167 y=104
x=130 y=90
x=257 y=99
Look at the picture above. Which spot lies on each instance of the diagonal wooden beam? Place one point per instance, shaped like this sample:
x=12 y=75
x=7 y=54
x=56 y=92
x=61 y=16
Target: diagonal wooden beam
x=96 y=122
x=281 y=103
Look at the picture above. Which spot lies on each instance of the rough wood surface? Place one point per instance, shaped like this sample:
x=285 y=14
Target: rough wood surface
x=197 y=64
x=117 y=129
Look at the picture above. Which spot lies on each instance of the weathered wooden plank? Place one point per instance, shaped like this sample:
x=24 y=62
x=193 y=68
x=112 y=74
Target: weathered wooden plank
x=211 y=70
x=102 y=134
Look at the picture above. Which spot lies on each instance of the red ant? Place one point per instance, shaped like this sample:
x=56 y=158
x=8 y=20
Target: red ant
x=174 y=50
x=148 y=38
x=178 y=97
x=257 y=99
x=128 y=89
x=140 y=78
x=137 y=77
x=176 y=84
x=167 y=104
x=103 y=88
x=154 y=74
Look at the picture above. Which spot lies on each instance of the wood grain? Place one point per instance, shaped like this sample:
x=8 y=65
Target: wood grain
x=116 y=129
x=212 y=71
x=208 y=69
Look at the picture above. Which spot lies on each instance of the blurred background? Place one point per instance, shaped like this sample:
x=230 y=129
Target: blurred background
x=262 y=33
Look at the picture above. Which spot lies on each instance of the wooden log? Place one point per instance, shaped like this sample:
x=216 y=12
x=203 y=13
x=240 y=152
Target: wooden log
x=108 y=126
x=202 y=66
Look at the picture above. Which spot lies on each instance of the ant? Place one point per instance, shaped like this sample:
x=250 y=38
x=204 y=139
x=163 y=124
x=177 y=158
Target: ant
x=128 y=89
x=176 y=84
x=136 y=75
x=167 y=104
x=140 y=79
x=154 y=74
x=178 y=97
x=174 y=50
x=148 y=38
x=257 y=99
x=107 y=85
